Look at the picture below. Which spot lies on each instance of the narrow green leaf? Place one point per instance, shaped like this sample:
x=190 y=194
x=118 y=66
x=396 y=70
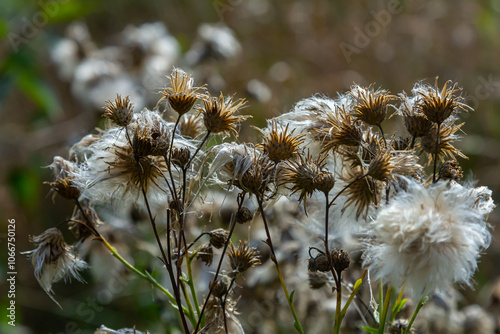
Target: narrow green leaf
x=399 y=306
x=369 y=329
x=291 y=296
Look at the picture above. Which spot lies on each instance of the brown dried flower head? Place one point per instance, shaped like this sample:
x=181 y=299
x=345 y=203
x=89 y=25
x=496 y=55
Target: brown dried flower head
x=257 y=178
x=180 y=156
x=218 y=114
x=279 y=144
x=120 y=112
x=371 y=106
x=219 y=288
x=400 y=143
x=218 y=237
x=190 y=126
x=205 y=253
x=242 y=258
x=340 y=260
x=181 y=95
x=451 y=170
x=447 y=136
x=63 y=183
x=84 y=226
x=54 y=260
x=244 y=215
x=399 y=326
x=381 y=166
x=151 y=137
x=361 y=193
x=437 y=104
x=415 y=121
x=342 y=129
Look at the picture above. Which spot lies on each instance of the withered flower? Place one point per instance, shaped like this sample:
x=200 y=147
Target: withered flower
x=446 y=137
x=399 y=326
x=381 y=166
x=83 y=226
x=54 y=260
x=215 y=317
x=343 y=129
x=205 y=253
x=190 y=126
x=218 y=114
x=279 y=144
x=371 y=106
x=180 y=156
x=361 y=193
x=218 y=237
x=244 y=215
x=182 y=94
x=340 y=260
x=242 y=258
x=219 y=288
x=451 y=170
x=120 y=112
x=64 y=180
x=438 y=105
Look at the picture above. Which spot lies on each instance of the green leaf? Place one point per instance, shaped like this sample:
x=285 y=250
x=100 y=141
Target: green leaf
x=357 y=284
x=291 y=296
x=398 y=307
x=369 y=329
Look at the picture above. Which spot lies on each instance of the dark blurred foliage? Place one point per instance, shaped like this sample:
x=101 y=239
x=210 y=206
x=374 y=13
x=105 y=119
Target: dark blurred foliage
x=297 y=48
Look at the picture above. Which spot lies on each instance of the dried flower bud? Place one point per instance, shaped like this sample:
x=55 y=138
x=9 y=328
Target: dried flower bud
x=205 y=254
x=439 y=105
x=311 y=265
x=380 y=167
x=324 y=182
x=451 y=170
x=218 y=237
x=218 y=114
x=180 y=156
x=279 y=144
x=242 y=258
x=399 y=326
x=244 y=215
x=219 y=288
x=317 y=280
x=321 y=262
x=340 y=260
x=182 y=94
x=417 y=124
x=120 y=111
x=63 y=184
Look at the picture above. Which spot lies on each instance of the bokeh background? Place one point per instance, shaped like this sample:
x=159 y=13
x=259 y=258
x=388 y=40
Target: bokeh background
x=285 y=51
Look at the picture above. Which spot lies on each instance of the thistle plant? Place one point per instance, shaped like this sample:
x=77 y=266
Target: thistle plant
x=419 y=227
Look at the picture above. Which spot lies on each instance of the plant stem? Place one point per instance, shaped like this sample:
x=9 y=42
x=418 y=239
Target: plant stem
x=436 y=154
x=387 y=302
x=269 y=242
x=189 y=259
x=414 y=316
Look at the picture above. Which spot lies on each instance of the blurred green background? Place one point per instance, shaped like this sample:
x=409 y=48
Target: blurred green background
x=293 y=48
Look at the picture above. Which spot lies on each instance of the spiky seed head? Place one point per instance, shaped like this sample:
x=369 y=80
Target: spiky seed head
x=324 y=182
x=380 y=167
x=218 y=237
x=340 y=259
x=451 y=170
x=120 y=112
x=447 y=136
x=417 y=124
x=244 y=215
x=242 y=258
x=63 y=183
x=279 y=144
x=361 y=193
x=219 y=288
x=218 y=114
x=342 y=129
x=401 y=144
x=257 y=178
x=205 y=253
x=317 y=280
x=306 y=175
x=438 y=105
x=371 y=106
x=190 y=126
x=181 y=95
x=180 y=156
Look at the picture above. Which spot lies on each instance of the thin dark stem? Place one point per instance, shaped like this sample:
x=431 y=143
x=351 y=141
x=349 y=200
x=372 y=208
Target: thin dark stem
x=345 y=188
x=327 y=251
x=413 y=142
x=241 y=198
x=436 y=154
x=382 y=133
x=198 y=149
x=224 y=303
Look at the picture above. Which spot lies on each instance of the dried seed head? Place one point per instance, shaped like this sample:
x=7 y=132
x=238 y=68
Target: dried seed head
x=417 y=124
x=218 y=237
x=190 y=126
x=218 y=114
x=63 y=183
x=371 y=106
x=342 y=129
x=54 y=260
x=439 y=105
x=219 y=288
x=180 y=156
x=401 y=144
x=340 y=260
x=324 y=182
x=242 y=258
x=306 y=175
x=447 y=136
x=361 y=192
x=151 y=136
x=317 y=280
x=380 y=167
x=279 y=144
x=311 y=265
x=244 y=215
x=182 y=94
x=205 y=254
x=120 y=112
x=399 y=326
x=451 y=170
x=322 y=263
x=256 y=179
